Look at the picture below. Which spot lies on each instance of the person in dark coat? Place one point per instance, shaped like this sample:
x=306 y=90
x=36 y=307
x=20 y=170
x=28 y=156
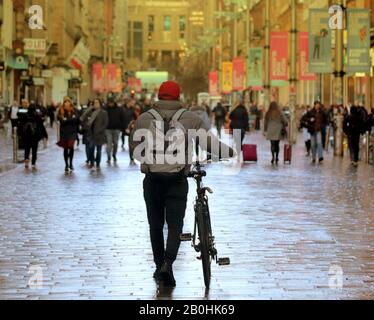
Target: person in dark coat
x=239 y=118
x=95 y=121
x=220 y=117
x=353 y=127
x=130 y=117
x=69 y=124
x=32 y=131
x=116 y=124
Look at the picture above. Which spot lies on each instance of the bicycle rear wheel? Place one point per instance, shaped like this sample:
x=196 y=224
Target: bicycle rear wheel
x=206 y=258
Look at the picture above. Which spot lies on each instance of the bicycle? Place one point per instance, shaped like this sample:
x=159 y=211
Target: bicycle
x=206 y=245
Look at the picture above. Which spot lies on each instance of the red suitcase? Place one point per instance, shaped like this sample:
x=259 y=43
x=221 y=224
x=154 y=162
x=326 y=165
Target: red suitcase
x=250 y=152
x=287 y=153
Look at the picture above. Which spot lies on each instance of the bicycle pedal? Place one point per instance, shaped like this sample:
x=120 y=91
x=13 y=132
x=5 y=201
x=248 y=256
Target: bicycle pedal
x=224 y=261
x=186 y=237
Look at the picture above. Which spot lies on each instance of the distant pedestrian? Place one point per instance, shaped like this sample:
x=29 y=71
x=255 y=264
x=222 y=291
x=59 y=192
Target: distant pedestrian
x=316 y=119
x=239 y=119
x=33 y=131
x=13 y=114
x=129 y=107
x=275 y=122
x=116 y=124
x=131 y=126
x=51 y=112
x=220 y=117
x=306 y=133
x=69 y=124
x=95 y=121
x=353 y=127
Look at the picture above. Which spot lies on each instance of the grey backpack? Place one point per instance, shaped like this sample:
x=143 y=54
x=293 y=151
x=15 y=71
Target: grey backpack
x=169 y=144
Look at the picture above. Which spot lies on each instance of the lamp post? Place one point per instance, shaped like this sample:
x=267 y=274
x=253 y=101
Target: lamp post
x=267 y=55
x=293 y=75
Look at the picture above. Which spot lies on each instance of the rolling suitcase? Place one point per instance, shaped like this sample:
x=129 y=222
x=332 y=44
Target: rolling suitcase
x=250 y=153
x=287 y=153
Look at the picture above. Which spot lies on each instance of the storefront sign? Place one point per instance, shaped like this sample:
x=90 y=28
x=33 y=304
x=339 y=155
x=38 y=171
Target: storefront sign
x=35 y=47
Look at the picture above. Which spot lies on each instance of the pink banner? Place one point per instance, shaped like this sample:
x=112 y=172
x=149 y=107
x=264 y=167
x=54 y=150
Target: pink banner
x=238 y=69
x=304 y=73
x=279 y=56
x=213 y=83
x=98 y=77
x=119 y=84
x=111 y=77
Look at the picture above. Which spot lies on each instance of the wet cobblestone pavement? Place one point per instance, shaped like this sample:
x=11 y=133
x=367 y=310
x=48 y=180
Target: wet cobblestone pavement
x=289 y=231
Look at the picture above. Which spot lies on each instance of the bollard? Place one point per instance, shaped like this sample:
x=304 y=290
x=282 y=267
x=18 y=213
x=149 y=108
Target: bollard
x=15 y=145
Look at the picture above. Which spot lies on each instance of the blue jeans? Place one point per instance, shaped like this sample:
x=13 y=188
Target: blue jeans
x=90 y=148
x=317 y=146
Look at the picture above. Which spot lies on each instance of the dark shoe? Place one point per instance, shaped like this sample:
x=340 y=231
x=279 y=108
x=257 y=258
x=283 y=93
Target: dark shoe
x=157 y=273
x=66 y=169
x=71 y=167
x=167 y=276
x=314 y=161
x=321 y=160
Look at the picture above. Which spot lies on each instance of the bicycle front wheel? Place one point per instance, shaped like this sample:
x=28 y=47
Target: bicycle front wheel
x=206 y=258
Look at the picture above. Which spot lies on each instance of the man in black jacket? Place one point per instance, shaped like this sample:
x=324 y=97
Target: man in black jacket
x=240 y=120
x=117 y=123
x=32 y=131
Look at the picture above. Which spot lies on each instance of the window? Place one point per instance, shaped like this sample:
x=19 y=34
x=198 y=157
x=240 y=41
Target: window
x=182 y=27
x=151 y=23
x=167 y=23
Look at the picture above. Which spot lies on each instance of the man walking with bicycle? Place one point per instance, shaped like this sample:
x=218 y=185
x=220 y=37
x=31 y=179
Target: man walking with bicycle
x=165 y=184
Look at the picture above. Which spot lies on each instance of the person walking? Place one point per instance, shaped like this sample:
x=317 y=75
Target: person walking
x=166 y=188
x=304 y=127
x=239 y=119
x=116 y=124
x=33 y=131
x=220 y=117
x=130 y=117
x=69 y=124
x=353 y=127
x=316 y=119
x=95 y=121
x=275 y=122
x=51 y=112
x=13 y=114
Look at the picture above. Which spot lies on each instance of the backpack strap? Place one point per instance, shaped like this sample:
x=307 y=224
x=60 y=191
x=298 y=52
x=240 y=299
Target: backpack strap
x=155 y=114
x=176 y=117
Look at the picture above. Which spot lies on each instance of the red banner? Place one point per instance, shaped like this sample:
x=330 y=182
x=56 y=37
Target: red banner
x=238 y=69
x=111 y=77
x=98 y=77
x=279 y=56
x=135 y=84
x=304 y=73
x=213 y=83
x=119 y=85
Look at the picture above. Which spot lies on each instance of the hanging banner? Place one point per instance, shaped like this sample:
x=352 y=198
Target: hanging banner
x=135 y=84
x=358 y=44
x=320 y=55
x=119 y=85
x=80 y=56
x=238 y=74
x=227 y=75
x=304 y=73
x=111 y=77
x=255 y=70
x=213 y=83
x=279 y=56
x=98 y=77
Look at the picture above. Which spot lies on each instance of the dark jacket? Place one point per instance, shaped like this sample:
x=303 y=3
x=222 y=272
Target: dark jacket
x=95 y=133
x=353 y=124
x=129 y=116
x=220 y=113
x=31 y=127
x=116 y=118
x=239 y=118
x=69 y=126
x=315 y=121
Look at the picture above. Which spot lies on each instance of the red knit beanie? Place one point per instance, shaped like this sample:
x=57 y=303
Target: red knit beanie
x=169 y=90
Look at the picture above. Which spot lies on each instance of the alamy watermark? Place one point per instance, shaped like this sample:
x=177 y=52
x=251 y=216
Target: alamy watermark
x=336 y=277
x=36 y=17
x=336 y=20
x=36 y=278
